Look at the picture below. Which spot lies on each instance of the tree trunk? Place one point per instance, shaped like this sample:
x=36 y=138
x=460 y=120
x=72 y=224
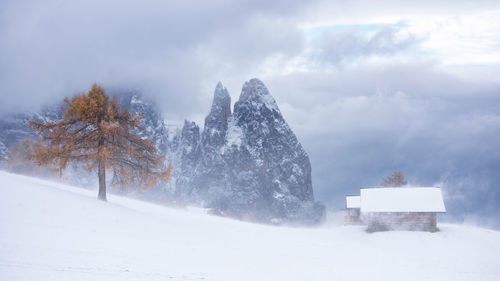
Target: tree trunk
x=102 y=181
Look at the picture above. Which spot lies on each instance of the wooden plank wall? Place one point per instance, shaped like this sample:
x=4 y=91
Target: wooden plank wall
x=401 y=219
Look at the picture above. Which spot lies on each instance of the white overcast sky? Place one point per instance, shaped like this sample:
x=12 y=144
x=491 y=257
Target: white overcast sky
x=368 y=86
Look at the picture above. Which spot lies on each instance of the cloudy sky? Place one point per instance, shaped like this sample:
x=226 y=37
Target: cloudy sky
x=369 y=87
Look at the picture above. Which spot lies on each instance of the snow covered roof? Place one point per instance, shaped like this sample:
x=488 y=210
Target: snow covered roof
x=352 y=201
x=402 y=199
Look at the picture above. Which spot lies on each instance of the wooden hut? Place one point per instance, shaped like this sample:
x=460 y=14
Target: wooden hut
x=352 y=205
x=412 y=208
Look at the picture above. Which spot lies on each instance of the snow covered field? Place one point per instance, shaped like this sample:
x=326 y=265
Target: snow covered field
x=50 y=231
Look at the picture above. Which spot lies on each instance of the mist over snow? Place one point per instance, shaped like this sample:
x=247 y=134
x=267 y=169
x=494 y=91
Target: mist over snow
x=368 y=87
x=52 y=231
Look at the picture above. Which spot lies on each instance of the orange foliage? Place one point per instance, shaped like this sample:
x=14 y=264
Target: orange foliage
x=95 y=131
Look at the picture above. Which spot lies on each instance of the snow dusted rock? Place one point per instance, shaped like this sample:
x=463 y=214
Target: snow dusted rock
x=14 y=127
x=216 y=122
x=269 y=171
x=152 y=121
x=211 y=178
x=188 y=159
x=247 y=164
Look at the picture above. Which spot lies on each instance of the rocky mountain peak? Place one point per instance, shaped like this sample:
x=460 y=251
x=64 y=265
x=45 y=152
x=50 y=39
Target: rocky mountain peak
x=216 y=121
x=190 y=131
x=247 y=164
x=256 y=93
x=268 y=172
x=221 y=92
x=221 y=104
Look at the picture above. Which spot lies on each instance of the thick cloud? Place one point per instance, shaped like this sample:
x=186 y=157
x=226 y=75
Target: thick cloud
x=349 y=44
x=169 y=50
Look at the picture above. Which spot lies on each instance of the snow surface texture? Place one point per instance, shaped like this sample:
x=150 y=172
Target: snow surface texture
x=402 y=199
x=54 y=232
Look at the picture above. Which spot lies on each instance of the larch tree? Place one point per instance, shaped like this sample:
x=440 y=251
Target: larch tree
x=397 y=179
x=95 y=133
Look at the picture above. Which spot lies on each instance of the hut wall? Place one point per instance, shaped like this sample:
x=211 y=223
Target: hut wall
x=402 y=220
x=352 y=217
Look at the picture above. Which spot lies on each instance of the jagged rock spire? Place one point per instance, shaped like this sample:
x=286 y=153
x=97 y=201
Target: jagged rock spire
x=216 y=121
x=221 y=98
x=247 y=163
x=190 y=135
x=269 y=171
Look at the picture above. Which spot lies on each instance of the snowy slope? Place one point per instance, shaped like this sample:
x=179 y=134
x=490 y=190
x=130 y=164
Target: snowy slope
x=50 y=231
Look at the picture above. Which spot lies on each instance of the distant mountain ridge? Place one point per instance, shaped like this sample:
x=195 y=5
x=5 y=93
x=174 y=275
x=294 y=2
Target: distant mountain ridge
x=246 y=164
